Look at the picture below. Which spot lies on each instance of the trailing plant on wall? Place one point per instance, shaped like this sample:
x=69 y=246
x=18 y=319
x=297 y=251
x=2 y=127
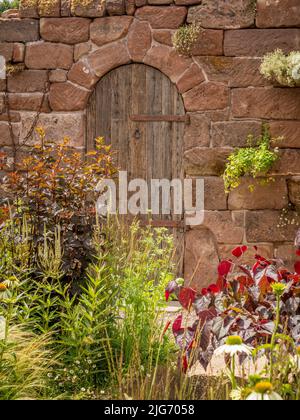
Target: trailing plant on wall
x=254 y=161
x=185 y=38
x=281 y=68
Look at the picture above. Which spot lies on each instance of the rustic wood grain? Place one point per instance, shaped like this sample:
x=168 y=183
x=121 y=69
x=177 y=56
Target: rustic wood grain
x=139 y=111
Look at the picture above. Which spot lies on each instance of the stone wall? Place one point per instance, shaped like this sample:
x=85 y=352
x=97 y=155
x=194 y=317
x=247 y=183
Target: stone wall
x=72 y=44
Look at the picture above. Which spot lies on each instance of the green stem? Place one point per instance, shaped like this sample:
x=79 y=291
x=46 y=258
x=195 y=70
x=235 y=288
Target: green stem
x=274 y=337
x=233 y=379
x=6 y=331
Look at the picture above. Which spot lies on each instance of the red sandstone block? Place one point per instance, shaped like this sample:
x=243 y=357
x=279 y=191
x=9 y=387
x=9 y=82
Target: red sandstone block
x=67 y=97
x=205 y=161
x=109 y=29
x=223 y=14
x=237 y=72
x=5 y=135
x=272 y=103
x=227 y=226
x=263 y=226
x=209 y=42
x=168 y=61
x=27 y=81
x=139 y=40
x=6 y=50
x=82 y=75
x=275 y=14
x=19 y=30
x=65 y=30
x=192 y=77
x=197 y=132
x=162 y=17
x=46 y=55
x=28 y=102
x=108 y=57
x=257 y=42
x=274 y=195
x=207 y=96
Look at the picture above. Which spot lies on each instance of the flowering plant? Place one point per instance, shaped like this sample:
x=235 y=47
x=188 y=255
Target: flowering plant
x=281 y=68
x=55 y=186
x=257 y=303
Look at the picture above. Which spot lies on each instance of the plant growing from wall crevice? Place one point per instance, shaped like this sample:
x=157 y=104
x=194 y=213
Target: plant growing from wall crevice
x=185 y=38
x=281 y=68
x=14 y=68
x=256 y=160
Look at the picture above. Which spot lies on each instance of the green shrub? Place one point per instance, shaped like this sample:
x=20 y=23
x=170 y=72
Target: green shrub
x=54 y=185
x=109 y=325
x=140 y=264
x=281 y=68
x=6 y=5
x=256 y=160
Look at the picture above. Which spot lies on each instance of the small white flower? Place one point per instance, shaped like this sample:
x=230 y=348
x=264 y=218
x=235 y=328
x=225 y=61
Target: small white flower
x=263 y=391
x=294 y=59
x=83 y=390
x=296 y=73
x=272 y=396
x=234 y=345
x=236 y=394
x=295 y=359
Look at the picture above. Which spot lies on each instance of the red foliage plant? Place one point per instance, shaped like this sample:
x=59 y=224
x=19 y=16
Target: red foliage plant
x=240 y=303
x=55 y=185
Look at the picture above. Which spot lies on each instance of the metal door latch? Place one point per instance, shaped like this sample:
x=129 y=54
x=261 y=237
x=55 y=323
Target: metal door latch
x=137 y=134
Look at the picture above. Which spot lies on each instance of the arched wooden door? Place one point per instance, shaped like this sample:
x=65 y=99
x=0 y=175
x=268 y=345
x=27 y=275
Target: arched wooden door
x=140 y=112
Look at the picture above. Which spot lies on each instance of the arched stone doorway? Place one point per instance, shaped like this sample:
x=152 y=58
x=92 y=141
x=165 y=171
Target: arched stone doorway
x=141 y=114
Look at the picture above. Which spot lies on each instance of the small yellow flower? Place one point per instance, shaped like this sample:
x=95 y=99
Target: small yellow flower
x=278 y=288
x=264 y=391
x=234 y=340
x=3 y=287
x=88 y=340
x=263 y=387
